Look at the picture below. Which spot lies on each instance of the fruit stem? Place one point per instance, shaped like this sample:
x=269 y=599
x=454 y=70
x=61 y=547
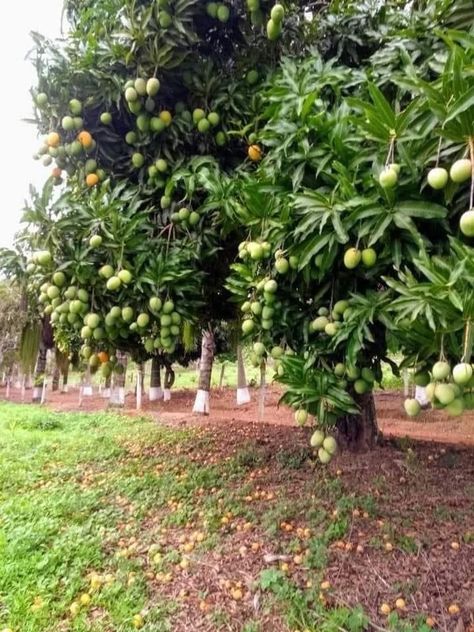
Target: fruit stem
x=441 y=348
x=467 y=346
x=471 y=152
x=438 y=153
x=391 y=151
x=169 y=239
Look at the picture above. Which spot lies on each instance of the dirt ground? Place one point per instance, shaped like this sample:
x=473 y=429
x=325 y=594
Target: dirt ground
x=430 y=425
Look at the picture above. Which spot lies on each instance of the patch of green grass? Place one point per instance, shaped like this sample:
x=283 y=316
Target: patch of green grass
x=59 y=477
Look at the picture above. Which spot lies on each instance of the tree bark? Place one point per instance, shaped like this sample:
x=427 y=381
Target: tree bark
x=55 y=381
x=65 y=373
x=221 y=378
x=201 y=403
x=168 y=381
x=155 y=391
x=243 y=395
x=40 y=371
x=360 y=432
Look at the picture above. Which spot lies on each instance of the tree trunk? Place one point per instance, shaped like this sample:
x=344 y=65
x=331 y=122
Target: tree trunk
x=201 y=403
x=406 y=382
x=168 y=381
x=106 y=389
x=141 y=369
x=155 y=391
x=55 y=381
x=64 y=388
x=263 y=388
x=87 y=390
x=243 y=395
x=221 y=378
x=140 y=380
x=40 y=371
x=360 y=432
x=117 y=393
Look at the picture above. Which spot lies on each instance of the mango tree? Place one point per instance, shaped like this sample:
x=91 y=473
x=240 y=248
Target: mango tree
x=359 y=218
x=148 y=97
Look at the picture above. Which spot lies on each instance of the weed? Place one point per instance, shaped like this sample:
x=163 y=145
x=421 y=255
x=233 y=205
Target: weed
x=318 y=554
x=293 y=459
x=249 y=457
x=251 y=626
x=303 y=609
x=220 y=618
x=407 y=543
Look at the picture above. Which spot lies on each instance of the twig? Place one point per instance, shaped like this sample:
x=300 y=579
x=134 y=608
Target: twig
x=269 y=558
x=378 y=574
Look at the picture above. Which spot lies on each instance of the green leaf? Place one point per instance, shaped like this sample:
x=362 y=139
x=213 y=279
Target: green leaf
x=463 y=103
x=384 y=109
x=422 y=210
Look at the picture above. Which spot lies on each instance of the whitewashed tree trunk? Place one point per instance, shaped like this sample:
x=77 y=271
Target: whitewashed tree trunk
x=243 y=394
x=87 y=388
x=81 y=391
x=155 y=393
x=117 y=392
x=168 y=380
x=420 y=395
x=140 y=379
x=40 y=371
x=263 y=388
x=201 y=403
x=43 y=391
x=106 y=390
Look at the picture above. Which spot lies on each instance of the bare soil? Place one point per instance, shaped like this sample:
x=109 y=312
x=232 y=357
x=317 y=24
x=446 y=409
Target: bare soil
x=430 y=425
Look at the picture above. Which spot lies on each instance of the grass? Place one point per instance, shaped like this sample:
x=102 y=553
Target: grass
x=56 y=515
x=100 y=515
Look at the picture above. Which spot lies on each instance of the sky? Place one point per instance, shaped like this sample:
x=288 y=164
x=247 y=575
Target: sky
x=19 y=139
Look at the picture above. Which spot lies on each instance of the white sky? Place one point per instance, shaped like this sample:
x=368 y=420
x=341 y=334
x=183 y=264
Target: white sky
x=18 y=139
